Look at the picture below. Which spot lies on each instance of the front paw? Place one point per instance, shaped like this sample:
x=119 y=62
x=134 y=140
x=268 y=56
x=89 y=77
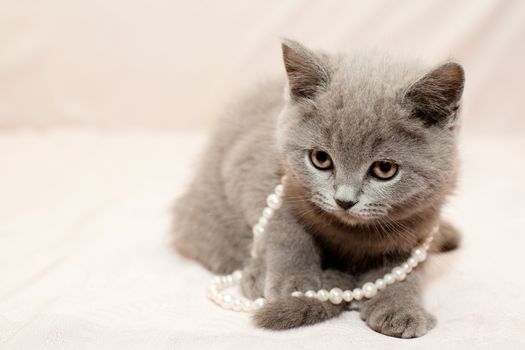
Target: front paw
x=396 y=319
x=283 y=287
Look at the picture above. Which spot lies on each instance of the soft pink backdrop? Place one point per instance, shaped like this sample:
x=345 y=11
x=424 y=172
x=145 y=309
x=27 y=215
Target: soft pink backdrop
x=173 y=64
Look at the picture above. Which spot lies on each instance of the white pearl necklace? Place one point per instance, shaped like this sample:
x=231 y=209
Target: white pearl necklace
x=216 y=291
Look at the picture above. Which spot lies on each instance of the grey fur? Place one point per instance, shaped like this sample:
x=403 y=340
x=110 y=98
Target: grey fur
x=358 y=109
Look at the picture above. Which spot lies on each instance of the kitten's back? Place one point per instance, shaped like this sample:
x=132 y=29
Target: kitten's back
x=212 y=221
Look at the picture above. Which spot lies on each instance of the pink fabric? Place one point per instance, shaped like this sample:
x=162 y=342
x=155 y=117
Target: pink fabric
x=86 y=261
x=161 y=64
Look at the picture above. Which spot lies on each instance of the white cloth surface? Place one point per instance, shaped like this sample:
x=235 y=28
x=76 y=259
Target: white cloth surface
x=86 y=261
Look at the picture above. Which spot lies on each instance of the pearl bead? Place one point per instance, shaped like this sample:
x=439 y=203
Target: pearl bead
x=267 y=212
x=263 y=221
x=358 y=293
x=237 y=305
x=246 y=305
x=257 y=230
x=348 y=296
x=259 y=303
x=297 y=294
x=336 y=296
x=274 y=201
x=380 y=284
x=399 y=273
x=389 y=278
x=322 y=295
x=419 y=254
x=369 y=290
x=310 y=294
x=406 y=267
x=237 y=276
x=412 y=262
x=226 y=300
x=279 y=190
x=228 y=280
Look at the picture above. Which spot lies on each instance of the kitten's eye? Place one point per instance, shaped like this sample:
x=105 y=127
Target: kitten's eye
x=321 y=160
x=384 y=169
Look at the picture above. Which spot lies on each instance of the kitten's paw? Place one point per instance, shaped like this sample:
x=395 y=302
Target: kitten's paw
x=402 y=321
x=448 y=238
x=291 y=312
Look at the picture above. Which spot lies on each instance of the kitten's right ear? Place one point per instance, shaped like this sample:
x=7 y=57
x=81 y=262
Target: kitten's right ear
x=306 y=73
x=435 y=97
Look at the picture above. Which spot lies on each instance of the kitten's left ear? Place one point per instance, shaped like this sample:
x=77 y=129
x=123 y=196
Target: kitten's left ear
x=435 y=97
x=307 y=75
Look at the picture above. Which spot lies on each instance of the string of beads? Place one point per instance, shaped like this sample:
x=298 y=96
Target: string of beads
x=217 y=290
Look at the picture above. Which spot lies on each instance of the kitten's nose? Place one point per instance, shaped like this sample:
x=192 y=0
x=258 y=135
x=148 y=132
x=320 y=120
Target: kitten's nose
x=345 y=204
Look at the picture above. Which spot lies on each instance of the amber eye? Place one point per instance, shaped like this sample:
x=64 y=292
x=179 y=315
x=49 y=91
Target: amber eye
x=321 y=160
x=384 y=169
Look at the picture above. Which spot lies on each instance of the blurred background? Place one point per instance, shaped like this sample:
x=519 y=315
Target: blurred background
x=173 y=64
x=104 y=109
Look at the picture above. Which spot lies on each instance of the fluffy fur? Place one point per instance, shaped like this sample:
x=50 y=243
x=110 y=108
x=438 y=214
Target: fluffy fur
x=359 y=109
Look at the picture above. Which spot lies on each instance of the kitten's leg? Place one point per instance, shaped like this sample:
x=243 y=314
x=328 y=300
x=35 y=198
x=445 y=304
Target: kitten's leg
x=397 y=310
x=338 y=279
x=209 y=232
x=292 y=263
x=253 y=275
x=291 y=256
x=447 y=239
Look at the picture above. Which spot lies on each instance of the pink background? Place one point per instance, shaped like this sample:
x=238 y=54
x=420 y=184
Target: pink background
x=173 y=64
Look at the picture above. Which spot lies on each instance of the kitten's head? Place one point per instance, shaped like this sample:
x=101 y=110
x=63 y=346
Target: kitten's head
x=368 y=138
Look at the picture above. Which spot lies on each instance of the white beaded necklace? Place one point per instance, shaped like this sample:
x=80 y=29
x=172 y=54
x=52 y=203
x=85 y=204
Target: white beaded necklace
x=216 y=291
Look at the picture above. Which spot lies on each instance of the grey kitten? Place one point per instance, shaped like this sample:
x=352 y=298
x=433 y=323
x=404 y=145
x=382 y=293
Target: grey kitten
x=368 y=144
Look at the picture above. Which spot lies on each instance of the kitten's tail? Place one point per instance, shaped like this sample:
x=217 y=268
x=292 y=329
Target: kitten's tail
x=291 y=312
x=447 y=239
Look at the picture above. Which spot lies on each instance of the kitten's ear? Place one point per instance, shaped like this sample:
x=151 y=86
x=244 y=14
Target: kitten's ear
x=306 y=73
x=435 y=97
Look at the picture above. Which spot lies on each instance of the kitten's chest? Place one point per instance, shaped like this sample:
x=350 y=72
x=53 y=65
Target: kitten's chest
x=347 y=251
